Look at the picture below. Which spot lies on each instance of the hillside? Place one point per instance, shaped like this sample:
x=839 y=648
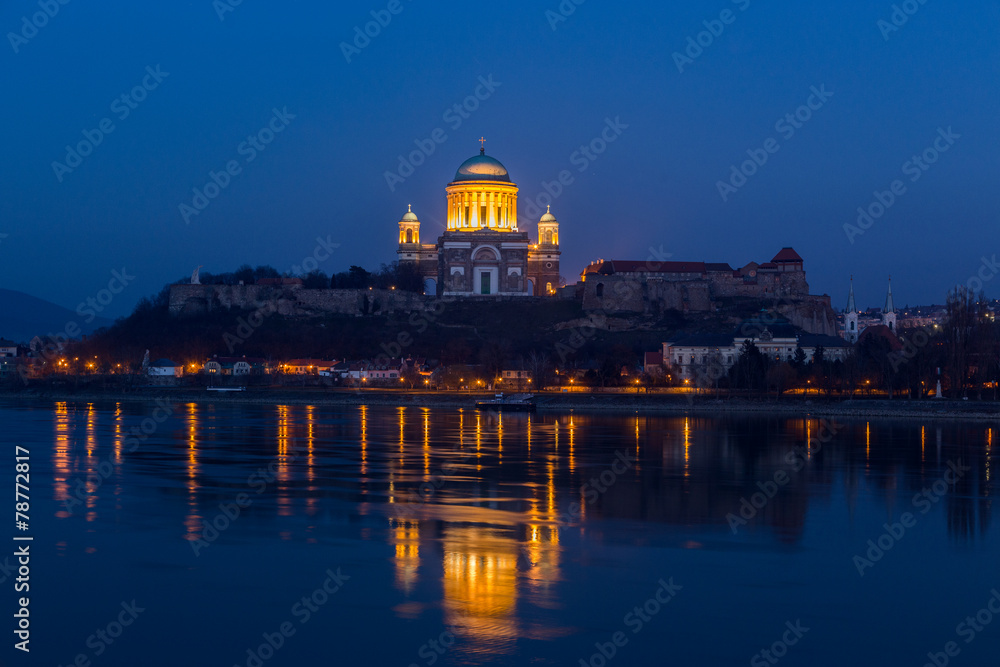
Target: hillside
x=22 y=317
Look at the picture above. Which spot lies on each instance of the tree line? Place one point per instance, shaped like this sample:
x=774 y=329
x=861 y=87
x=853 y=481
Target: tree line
x=403 y=276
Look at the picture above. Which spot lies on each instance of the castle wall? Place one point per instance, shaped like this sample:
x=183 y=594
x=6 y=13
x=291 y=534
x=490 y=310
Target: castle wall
x=650 y=294
x=292 y=301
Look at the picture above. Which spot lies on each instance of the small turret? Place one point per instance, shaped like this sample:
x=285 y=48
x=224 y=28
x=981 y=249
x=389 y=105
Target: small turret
x=409 y=228
x=548 y=229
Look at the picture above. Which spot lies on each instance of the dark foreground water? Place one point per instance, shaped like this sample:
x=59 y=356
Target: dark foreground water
x=271 y=535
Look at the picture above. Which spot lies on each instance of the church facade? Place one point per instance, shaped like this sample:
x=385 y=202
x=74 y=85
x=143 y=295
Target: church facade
x=853 y=332
x=482 y=252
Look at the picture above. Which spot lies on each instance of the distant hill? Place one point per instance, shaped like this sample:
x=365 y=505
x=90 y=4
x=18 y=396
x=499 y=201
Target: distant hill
x=22 y=317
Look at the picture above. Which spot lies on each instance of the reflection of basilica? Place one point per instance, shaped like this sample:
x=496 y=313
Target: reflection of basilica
x=489 y=558
x=488 y=532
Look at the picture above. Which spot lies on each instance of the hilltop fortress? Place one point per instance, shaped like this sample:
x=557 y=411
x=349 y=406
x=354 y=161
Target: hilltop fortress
x=652 y=287
x=483 y=256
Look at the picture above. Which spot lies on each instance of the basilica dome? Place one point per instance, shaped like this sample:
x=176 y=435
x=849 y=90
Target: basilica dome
x=482 y=168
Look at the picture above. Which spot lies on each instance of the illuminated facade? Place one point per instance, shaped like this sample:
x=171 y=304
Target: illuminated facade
x=482 y=252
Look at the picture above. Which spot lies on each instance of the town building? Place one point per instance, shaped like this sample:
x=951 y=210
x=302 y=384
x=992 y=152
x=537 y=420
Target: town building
x=306 y=366
x=165 y=368
x=8 y=349
x=777 y=340
x=235 y=366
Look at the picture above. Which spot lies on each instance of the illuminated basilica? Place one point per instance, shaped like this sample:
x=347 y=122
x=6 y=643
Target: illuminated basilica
x=482 y=252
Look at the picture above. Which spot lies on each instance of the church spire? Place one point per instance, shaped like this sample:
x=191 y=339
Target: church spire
x=889 y=312
x=851 y=330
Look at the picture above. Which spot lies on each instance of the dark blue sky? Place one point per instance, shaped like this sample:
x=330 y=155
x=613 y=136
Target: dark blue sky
x=656 y=186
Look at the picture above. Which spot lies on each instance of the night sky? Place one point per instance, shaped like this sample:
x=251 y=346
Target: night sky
x=217 y=81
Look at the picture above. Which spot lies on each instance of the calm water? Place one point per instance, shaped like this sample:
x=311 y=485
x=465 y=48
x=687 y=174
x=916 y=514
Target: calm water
x=452 y=538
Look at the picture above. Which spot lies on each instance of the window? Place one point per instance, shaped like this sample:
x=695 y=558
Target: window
x=600 y=289
x=852 y=325
x=409 y=236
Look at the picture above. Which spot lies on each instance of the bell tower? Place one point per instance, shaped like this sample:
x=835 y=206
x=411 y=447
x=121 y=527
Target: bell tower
x=889 y=312
x=851 y=317
x=543 y=258
x=409 y=228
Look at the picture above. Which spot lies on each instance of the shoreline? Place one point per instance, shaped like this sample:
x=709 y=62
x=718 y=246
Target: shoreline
x=549 y=402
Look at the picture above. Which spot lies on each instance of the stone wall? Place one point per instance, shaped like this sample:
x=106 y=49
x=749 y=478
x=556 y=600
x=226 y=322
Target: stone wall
x=187 y=300
x=647 y=295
